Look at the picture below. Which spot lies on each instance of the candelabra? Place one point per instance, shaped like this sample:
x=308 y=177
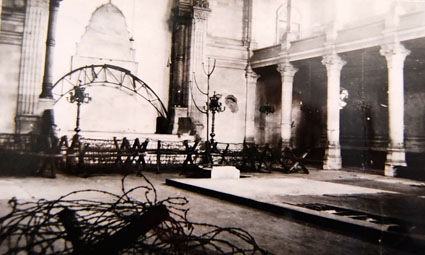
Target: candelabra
x=79 y=97
x=266 y=109
x=214 y=106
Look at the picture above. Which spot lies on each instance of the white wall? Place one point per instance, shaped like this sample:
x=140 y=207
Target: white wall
x=224 y=43
x=226 y=19
x=264 y=22
x=148 y=23
x=316 y=15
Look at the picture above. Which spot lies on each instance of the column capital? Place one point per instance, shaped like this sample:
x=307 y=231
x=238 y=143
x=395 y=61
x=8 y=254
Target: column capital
x=333 y=61
x=251 y=75
x=395 y=53
x=200 y=13
x=55 y=3
x=286 y=69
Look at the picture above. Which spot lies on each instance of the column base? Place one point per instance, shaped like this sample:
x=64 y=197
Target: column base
x=26 y=123
x=332 y=159
x=178 y=112
x=395 y=157
x=249 y=139
x=286 y=143
x=45 y=104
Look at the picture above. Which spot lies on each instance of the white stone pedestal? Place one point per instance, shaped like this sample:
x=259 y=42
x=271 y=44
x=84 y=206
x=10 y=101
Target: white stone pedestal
x=225 y=172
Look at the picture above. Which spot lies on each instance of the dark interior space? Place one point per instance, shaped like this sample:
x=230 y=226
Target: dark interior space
x=268 y=96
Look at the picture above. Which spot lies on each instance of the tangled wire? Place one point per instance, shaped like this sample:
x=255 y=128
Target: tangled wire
x=115 y=224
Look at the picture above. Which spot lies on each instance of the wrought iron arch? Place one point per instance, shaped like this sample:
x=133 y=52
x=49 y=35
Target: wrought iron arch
x=107 y=75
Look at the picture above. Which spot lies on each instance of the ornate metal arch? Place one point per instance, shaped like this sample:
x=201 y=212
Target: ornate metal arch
x=107 y=75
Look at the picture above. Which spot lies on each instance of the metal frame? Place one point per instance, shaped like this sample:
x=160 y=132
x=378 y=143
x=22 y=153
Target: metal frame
x=107 y=75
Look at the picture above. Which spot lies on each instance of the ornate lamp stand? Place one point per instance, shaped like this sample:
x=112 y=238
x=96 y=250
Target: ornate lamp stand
x=79 y=97
x=215 y=106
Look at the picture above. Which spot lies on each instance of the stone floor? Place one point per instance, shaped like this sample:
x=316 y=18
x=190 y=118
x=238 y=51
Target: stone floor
x=276 y=233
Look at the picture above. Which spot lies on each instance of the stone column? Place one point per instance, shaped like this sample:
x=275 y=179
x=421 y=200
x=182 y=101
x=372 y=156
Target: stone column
x=395 y=54
x=50 y=46
x=178 y=66
x=179 y=88
x=333 y=65
x=251 y=98
x=31 y=67
x=287 y=72
x=1 y=7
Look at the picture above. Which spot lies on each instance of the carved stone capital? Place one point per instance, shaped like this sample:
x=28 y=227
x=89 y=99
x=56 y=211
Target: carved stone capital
x=200 y=13
x=286 y=69
x=251 y=75
x=395 y=53
x=333 y=62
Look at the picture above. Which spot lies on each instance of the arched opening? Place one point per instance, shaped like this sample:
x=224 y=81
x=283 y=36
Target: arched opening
x=288 y=20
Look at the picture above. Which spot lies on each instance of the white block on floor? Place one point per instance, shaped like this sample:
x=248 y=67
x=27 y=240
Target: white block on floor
x=225 y=172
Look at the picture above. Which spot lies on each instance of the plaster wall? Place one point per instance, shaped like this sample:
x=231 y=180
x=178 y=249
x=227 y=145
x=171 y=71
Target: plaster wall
x=230 y=124
x=147 y=22
x=314 y=17
x=224 y=45
x=311 y=16
x=226 y=19
x=264 y=22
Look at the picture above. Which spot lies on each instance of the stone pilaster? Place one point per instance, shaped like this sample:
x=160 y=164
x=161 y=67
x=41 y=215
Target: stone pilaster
x=197 y=55
x=287 y=72
x=198 y=38
x=333 y=65
x=395 y=54
x=251 y=98
x=31 y=67
x=247 y=23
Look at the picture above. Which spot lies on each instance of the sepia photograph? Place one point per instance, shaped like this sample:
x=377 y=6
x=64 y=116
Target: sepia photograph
x=247 y=127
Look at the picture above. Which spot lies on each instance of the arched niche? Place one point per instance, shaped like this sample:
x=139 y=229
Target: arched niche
x=106 y=40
